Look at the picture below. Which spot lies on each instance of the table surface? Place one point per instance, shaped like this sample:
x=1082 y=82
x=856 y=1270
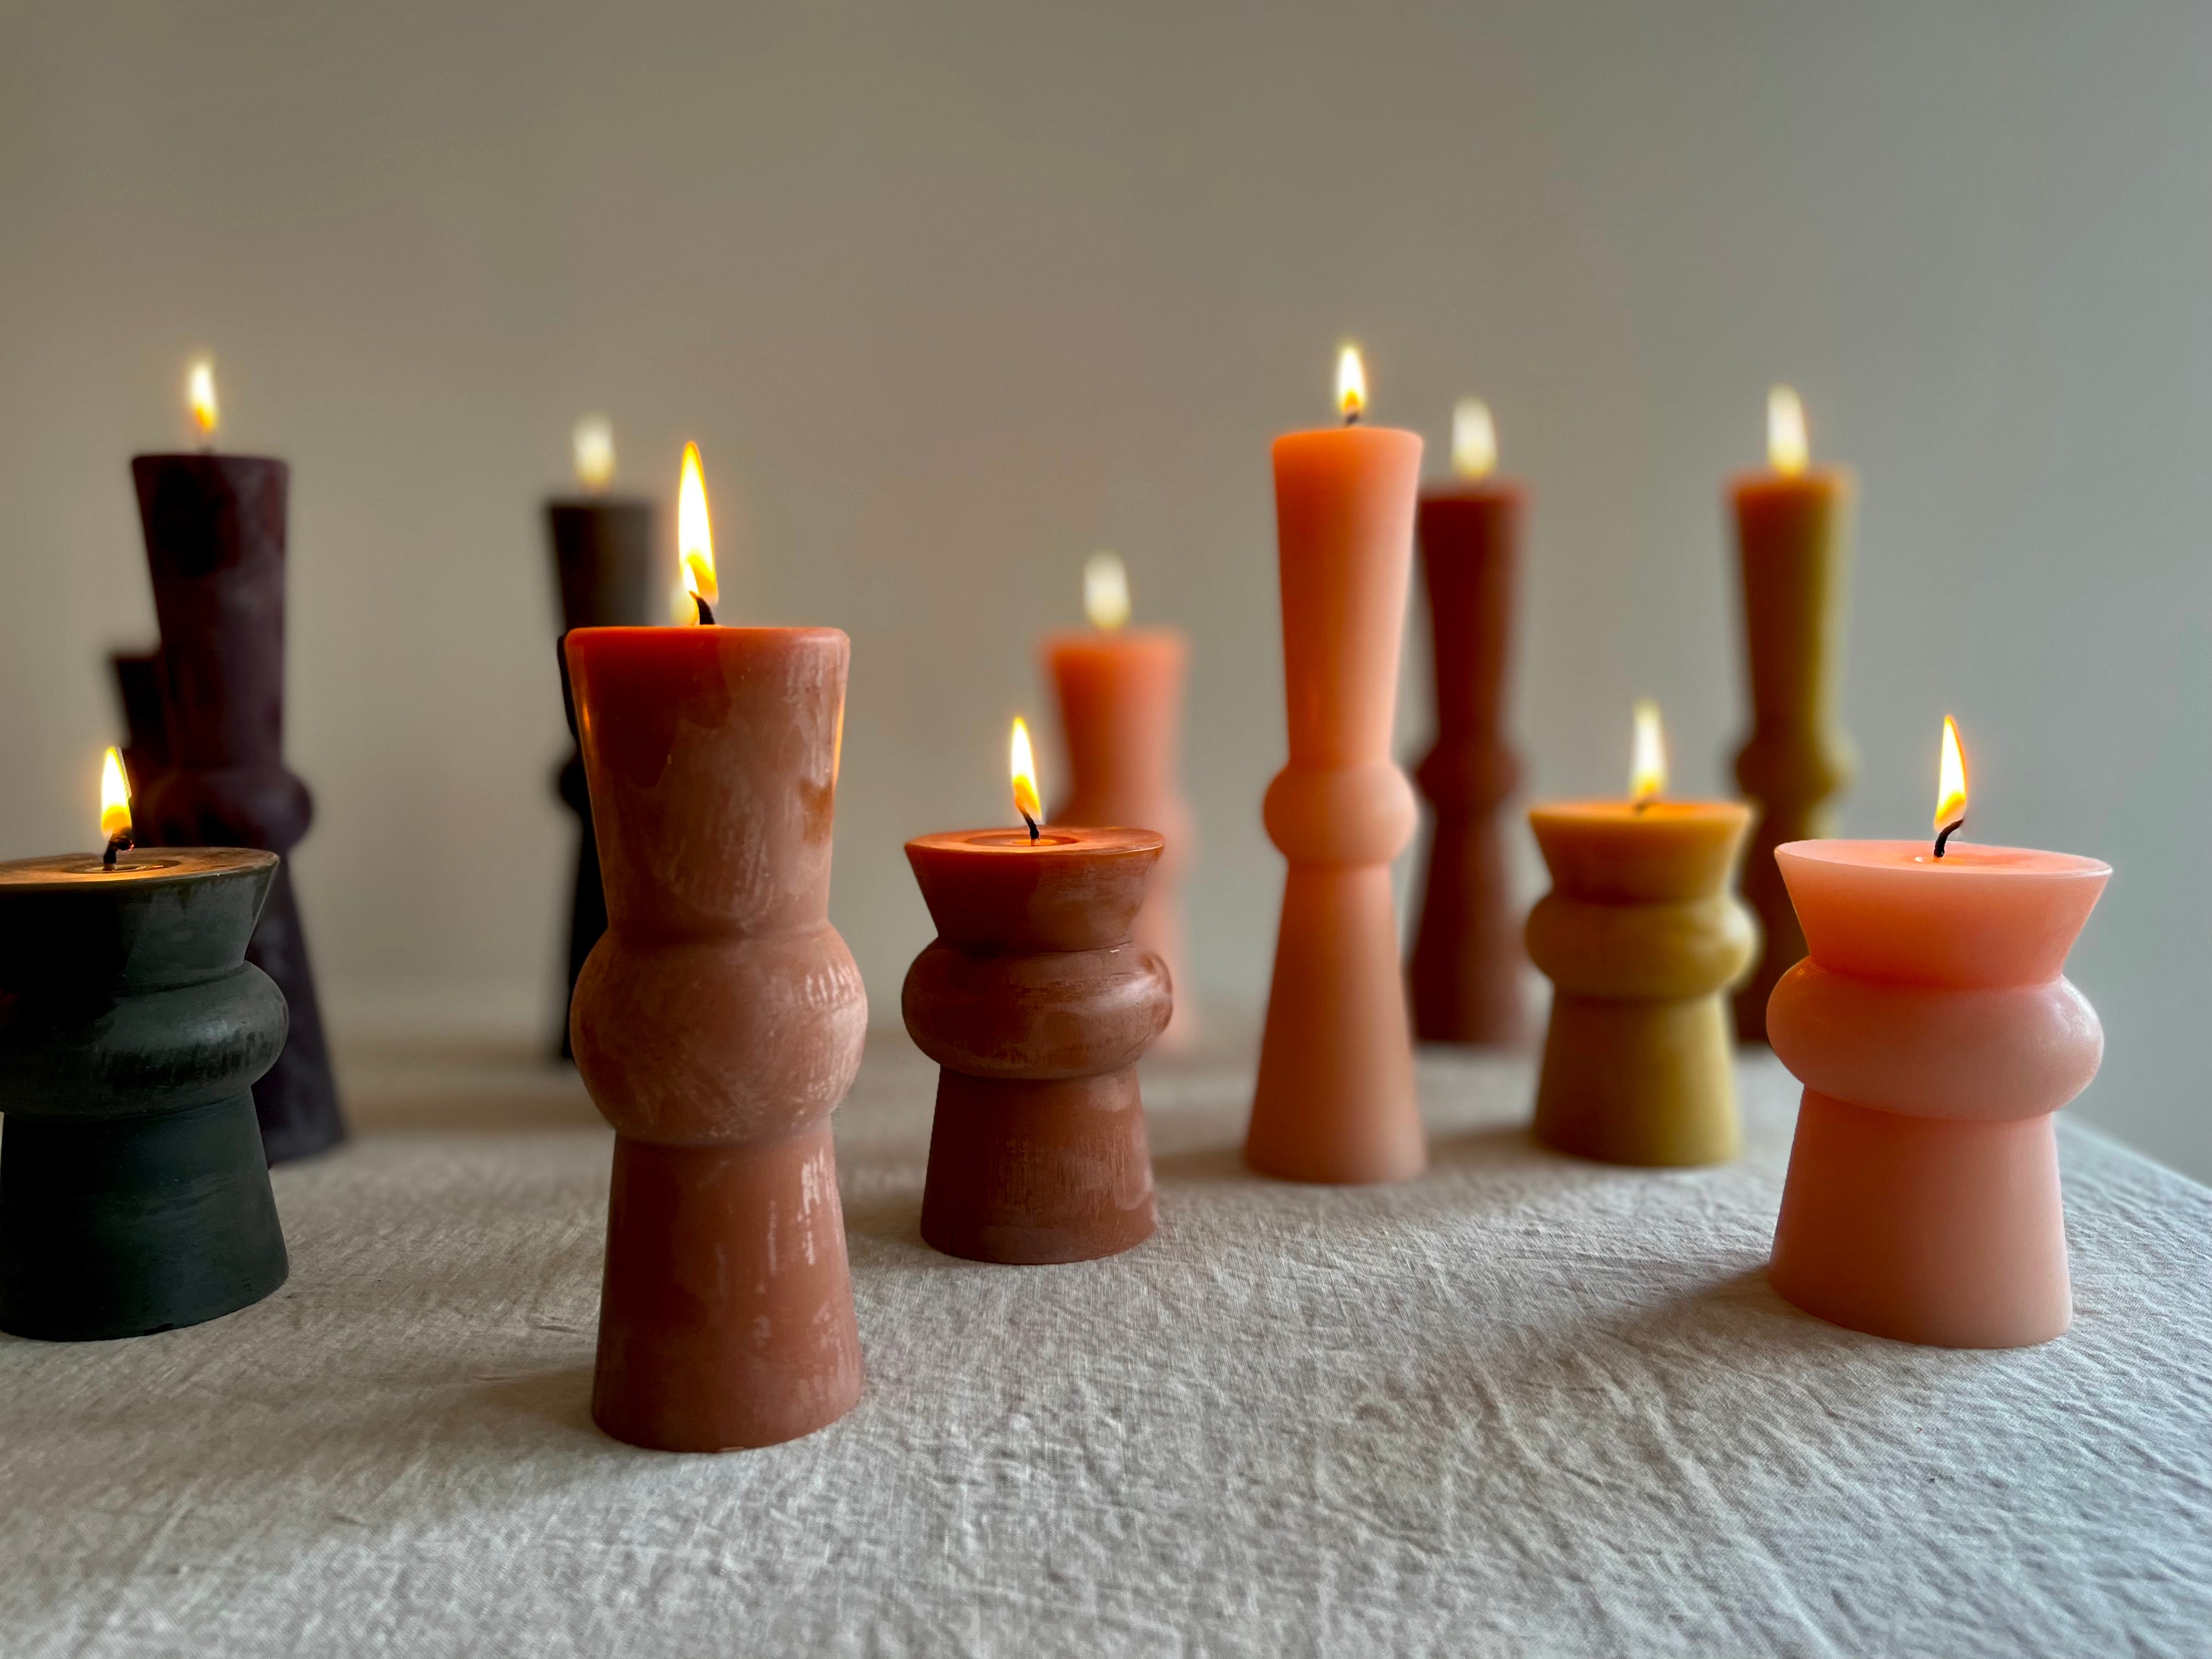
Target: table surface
x=1523 y=1405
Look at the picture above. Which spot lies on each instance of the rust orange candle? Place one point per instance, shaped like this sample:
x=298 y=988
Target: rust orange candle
x=1120 y=690
x=717 y=1022
x=1935 y=1036
x=1793 y=549
x=1334 y=1100
x=1036 y=1004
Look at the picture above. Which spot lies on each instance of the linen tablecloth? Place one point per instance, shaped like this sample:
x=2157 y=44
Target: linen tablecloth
x=1523 y=1405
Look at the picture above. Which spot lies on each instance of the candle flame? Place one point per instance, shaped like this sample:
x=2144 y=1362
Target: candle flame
x=1025 y=773
x=1474 y=439
x=1788 y=450
x=594 y=442
x=1351 y=385
x=1105 y=590
x=114 y=799
x=1951 y=781
x=199 y=396
x=695 y=536
x=1647 y=769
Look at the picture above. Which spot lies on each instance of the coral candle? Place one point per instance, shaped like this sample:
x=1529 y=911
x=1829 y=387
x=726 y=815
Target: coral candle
x=1334 y=1100
x=1121 y=714
x=1639 y=935
x=1935 y=1036
x=1794 y=550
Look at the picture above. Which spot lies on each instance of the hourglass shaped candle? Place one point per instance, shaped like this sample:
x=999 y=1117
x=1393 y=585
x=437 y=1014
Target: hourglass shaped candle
x=1936 y=1036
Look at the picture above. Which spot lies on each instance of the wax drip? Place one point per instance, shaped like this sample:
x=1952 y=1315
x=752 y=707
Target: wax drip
x=121 y=843
x=1956 y=823
x=706 y=611
x=1032 y=823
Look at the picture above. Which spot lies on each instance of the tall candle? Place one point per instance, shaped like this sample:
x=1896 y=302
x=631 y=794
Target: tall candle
x=607 y=571
x=1639 y=935
x=717 y=1023
x=215 y=545
x=1793 y=553
x=1467 y=963
x=1120 y=690
x=1334 y=1100
x=1935 y=1036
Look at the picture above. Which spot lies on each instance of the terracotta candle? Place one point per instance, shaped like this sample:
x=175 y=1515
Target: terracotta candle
x=1121 y=713
x=1334 y=1100
x=215 y=544
x=1935 y=1037
x=1467 y=961
x=1037 y=1003
x=1638 y=936
x=134 y=1191
x=604 y=561
x=717 y=1022
x=1794 y=550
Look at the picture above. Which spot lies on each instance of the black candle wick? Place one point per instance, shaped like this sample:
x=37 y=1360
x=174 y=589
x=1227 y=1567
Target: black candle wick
x=1352 y=415
x=121 y=843
x=706 y=611
x=1032 y=823
x=1945 y=835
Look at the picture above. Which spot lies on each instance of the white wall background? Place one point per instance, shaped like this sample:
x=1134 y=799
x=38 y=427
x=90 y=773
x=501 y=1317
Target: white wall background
x=950 y=295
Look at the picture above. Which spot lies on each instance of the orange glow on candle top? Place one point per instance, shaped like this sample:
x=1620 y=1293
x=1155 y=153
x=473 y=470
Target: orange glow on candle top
x=1950 y=787
x=694 y=536
x=1351 y=385
x=114 y=799
x=1647 y=768
x=199 y=397
x=1789 y=450
x=1023 y=767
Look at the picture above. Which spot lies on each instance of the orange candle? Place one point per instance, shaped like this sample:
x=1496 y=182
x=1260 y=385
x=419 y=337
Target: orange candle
x=1334 y=1101
x=1121 y=715
x=1935 y=1037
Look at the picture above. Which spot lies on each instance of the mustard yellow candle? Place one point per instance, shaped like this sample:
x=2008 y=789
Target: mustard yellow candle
x=1639 y=937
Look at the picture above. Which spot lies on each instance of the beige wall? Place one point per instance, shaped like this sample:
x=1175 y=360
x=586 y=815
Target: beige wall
x=950 y=295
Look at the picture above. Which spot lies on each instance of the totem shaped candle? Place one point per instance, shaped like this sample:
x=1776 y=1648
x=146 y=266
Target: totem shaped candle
x=134 y=1192
x=717 y=1022
x=1467 y=963
x=1036 y=1003
x=1935 y=1037
x=1120 y=712
x=214 y=543
x=1794 y=546
x=604 y=559
x=1639 y=936
x=1334 y=1100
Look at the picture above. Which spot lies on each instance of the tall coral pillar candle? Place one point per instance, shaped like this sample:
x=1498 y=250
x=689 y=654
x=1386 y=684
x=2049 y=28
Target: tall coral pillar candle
x=717 y=1022
x=1639 y=935
x=1935 y=1037
x=1120 y=690
x=1334 y=1100
x=1467 y=963
x=606 y=569
x=1794 y=550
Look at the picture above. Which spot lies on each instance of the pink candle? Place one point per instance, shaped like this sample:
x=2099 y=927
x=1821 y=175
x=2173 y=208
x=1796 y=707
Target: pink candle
x=1935 y=1037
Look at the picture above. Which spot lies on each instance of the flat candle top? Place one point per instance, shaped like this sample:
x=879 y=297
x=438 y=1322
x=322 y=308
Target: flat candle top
x=135 y=868
x=1966 y=860
x=1065 y=842
x=1626 y=811
x=1826 y=480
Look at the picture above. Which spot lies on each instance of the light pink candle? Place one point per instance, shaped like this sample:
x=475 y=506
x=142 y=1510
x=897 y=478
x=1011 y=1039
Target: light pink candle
x=1935 y=1037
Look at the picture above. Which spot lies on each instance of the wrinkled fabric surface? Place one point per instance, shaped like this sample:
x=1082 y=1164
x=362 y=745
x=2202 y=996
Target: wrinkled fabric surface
x=1523 y=1405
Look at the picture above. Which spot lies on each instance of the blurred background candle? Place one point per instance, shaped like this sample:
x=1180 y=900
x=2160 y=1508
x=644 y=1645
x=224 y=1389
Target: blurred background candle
x=1468 y=963
x=608 y=575
x=1793 y=525
x=1120 y=690
x=214 y=533
x=1936 y=1036
x=1334 y=1100
x=1639 y=935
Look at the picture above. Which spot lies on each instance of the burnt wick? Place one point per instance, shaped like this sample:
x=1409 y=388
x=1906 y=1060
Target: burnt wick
x=1945 y=835
x=706 y=611
x=1032 y=823
x=115 y=844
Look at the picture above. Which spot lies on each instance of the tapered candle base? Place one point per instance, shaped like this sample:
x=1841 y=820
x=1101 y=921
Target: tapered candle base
x=1027 y=1173
x=1334 y=1101
x=1636 y=1082
x=1945 y=1231
x=726 y=1319
x=1467 y=965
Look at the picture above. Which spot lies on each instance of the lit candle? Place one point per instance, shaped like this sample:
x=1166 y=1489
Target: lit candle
x=1467 y=963
x=717 y=1022
x=1639 y=936
x=1935 y=1036
x=134 y=1189
x=608 y=575
x=1120 y=690
x=1334 y=1099
x=1793 y=553
x=1036 y=1003
x=215 y=531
